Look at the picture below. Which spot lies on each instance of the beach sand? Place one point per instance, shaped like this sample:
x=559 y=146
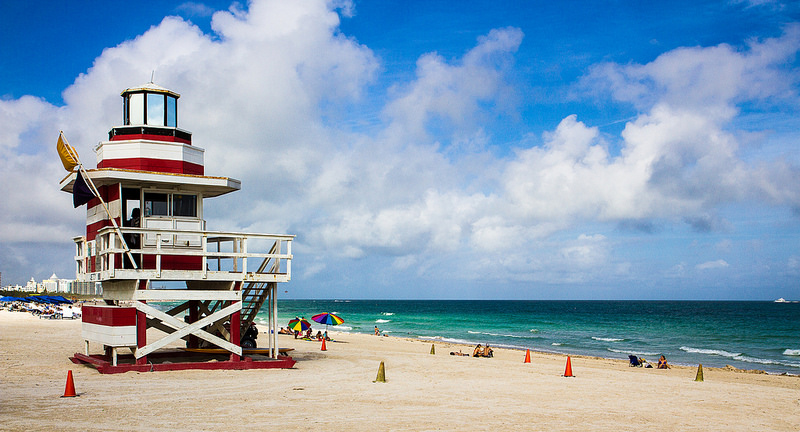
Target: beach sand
x=334 y=390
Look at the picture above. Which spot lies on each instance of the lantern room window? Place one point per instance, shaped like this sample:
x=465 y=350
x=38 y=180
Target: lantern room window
x=155 y=109
x=150 y=108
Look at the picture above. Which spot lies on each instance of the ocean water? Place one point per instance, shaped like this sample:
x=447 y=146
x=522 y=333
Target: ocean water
x=746 y=335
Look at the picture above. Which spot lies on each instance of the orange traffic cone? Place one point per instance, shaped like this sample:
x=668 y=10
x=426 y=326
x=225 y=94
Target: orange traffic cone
x=70 y=390
x=568 y=371
x=323 y=345
x=527 y=356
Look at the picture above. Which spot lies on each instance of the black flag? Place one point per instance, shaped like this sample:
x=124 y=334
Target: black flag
x=81 y=194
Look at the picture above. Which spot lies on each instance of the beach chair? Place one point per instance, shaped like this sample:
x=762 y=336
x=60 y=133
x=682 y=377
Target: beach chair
x=634 y=361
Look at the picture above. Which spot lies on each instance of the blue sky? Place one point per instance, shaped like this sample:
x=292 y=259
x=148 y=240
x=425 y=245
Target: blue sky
x=543 y=150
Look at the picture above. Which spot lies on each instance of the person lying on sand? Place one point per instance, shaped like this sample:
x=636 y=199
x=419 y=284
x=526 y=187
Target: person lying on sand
x=662 y=363
x=459 y=353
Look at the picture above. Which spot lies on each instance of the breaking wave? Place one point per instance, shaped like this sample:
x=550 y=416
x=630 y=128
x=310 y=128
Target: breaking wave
x=607 y=339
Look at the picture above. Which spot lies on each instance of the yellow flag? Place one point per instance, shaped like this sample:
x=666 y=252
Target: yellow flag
x=67 y=153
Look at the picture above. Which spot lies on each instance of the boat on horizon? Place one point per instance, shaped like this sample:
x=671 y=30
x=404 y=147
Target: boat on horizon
x=783 y=300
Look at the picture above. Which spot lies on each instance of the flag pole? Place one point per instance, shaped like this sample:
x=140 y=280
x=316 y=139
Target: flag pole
x=81 y=169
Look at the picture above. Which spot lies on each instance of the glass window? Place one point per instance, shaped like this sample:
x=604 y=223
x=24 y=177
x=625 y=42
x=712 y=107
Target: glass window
x=184 y=205
x=172 y=111
x=156 y=204
x=155 y=109
x=136 y=109
x=125 y=119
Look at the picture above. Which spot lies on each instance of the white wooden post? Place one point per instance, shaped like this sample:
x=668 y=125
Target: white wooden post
x=158 y=255
x=274 y=297
x=289 y=261
x=244 y=255
x=204 y=248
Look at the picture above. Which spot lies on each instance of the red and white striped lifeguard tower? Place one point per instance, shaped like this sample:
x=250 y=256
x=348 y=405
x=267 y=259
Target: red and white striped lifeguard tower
x=151 y=185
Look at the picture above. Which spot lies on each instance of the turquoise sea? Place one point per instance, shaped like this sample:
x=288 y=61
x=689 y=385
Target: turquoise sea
x=746 y=335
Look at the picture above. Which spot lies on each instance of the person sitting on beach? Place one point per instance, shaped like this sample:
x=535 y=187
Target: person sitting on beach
x=487 y=351
x=377 y=332
x=644 y=363
x=319 y=335
x=478 y=351
x=662 y=363
x=308 y=333
x=325 y=336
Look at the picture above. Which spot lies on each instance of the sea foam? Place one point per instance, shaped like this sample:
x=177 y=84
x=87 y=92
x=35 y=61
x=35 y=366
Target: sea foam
x=381 y=321
x=608 y=339
x=738 y=356
x=721 y=353
x=638 y=353
x=792 y=352
x=444 y=339
x=497 y=334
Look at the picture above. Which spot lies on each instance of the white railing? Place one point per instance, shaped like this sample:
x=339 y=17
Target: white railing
x=221 y=256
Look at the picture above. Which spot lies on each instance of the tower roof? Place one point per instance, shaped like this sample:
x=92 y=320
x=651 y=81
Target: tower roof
x=152 y=88
x=209 y=186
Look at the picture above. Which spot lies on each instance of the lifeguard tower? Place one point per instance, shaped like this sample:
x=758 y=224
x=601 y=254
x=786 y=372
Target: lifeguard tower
x=151 y=185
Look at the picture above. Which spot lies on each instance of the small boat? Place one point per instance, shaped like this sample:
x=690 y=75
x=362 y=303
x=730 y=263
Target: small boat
x=781 y=300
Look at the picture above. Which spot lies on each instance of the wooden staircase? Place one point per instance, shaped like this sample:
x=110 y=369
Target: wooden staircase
x=254 y=294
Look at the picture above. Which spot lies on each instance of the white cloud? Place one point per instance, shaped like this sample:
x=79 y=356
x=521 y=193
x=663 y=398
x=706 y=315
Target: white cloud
x=710 y=265
x=195 y=9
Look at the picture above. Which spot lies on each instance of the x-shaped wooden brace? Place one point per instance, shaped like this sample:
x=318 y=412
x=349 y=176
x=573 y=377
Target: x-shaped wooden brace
x=183 y=329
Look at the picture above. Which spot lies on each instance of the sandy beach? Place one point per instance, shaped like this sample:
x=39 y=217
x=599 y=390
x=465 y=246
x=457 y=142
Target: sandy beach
x=334 y=389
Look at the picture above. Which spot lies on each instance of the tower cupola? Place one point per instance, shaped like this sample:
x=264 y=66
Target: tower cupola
x=150 y=111
x=150 y=105
x=149 y=138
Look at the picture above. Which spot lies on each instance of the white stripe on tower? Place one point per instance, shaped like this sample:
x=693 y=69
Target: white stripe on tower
x=146 y=149
x=97 y=213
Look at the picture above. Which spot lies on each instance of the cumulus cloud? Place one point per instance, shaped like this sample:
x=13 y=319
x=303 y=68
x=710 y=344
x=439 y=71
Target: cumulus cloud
x=710 y=265
x=268 y=96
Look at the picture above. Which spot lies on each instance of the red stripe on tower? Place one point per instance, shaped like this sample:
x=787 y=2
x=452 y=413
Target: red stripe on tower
x=151 y=137
x=154 y=165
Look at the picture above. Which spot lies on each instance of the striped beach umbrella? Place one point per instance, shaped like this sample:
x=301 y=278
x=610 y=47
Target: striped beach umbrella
x=327 y=318
x=299 y=324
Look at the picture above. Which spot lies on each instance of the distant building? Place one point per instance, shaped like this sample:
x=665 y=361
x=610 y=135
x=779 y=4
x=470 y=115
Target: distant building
x=54 y=284
x=85 y=288
x=51 y=284
x=32 y=286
